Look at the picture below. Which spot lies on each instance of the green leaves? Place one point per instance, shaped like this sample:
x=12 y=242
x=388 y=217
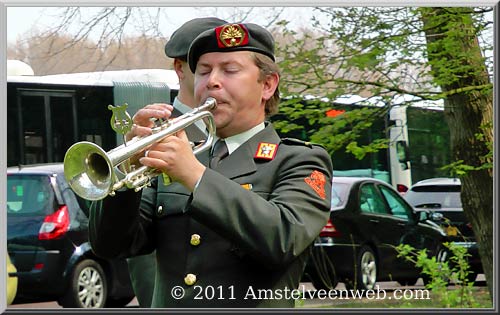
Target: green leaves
x=441 y=273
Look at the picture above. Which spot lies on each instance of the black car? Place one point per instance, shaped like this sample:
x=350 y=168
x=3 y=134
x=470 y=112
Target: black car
x=47 y=240
x=368 y=219
x=442 y=195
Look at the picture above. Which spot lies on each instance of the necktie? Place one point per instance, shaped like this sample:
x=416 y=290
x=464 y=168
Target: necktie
x=219 y=152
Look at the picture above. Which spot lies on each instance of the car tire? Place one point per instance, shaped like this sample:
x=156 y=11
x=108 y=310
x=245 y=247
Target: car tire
x=322 y=275
x=442 y=256
x=87 y=287
x=365 y=275
x=471 y=277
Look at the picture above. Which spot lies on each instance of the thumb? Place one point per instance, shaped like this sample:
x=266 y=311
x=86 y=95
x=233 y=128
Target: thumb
x=182 y=135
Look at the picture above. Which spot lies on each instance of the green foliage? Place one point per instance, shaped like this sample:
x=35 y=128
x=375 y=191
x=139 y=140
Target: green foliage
x=346 y=132
x=451 y=56
x=375 y=51
x=441 y=273
x=460 y=168
x=360 y=152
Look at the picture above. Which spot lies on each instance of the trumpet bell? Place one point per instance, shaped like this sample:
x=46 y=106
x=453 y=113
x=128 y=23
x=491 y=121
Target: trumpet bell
x=94 y=174
x=88 y=170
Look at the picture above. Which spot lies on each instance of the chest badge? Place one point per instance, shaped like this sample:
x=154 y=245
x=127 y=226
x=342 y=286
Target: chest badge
x=266 y=151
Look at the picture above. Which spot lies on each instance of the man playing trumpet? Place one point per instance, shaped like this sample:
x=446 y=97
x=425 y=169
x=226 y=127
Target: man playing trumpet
x=235 y=221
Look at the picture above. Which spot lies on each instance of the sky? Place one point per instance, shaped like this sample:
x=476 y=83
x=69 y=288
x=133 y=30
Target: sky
x=21 y=20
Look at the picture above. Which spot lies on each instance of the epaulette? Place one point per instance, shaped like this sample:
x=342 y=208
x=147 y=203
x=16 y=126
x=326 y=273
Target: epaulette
x=293 y=141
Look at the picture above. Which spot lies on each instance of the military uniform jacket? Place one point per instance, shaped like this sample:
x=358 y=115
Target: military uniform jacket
x=239 y=240
x=142 y=269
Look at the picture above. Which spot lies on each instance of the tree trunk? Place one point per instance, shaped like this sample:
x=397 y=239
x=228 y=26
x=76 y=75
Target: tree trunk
x=459 y=68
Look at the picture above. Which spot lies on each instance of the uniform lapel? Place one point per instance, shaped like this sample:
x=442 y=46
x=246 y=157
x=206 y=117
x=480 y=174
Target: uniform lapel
x=241 y=161
x=204 y=157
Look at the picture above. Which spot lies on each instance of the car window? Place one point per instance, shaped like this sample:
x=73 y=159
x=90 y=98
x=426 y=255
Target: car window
x=439 y=195
x=396 y=204
x=340 y=193
x=29 y=195
x=370 y=201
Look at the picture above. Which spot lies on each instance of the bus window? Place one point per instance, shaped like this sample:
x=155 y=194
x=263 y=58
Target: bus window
x=47 y=125
x=402 y=151
x=63 y=126
x=34 y=129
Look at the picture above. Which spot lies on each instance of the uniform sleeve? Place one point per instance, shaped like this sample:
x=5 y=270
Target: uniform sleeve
x=119 y=225
x=278 y=229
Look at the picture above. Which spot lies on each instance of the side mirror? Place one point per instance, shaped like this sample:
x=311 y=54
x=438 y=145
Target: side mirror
x=431 y=215
x=436 y=216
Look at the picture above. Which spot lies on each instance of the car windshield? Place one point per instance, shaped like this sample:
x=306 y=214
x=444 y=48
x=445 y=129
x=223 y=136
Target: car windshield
x=435 y=196
x=340 y=192
x=29 y=195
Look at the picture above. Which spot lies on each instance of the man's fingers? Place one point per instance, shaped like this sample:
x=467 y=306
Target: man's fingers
x=182 y=135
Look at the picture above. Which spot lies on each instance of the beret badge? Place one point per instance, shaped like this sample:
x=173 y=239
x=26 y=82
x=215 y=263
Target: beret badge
x=231 y=35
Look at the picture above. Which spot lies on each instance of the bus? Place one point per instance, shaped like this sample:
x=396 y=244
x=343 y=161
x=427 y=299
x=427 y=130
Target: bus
x=47 y=114
x=419 y=143
x=417 y=135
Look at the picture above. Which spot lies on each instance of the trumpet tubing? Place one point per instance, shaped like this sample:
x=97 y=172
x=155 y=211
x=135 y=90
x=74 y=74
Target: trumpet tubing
x=93 y=173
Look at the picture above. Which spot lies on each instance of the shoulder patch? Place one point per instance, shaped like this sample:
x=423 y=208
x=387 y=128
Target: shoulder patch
x=317 y=181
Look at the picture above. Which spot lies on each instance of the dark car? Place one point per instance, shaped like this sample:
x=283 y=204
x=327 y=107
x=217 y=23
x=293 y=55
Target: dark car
x=368 y=219
x=442 y=195
x=47 y=240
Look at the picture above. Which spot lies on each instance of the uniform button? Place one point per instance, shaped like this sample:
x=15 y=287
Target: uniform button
x=190 y=279
x=195 y=240
x=160 y=209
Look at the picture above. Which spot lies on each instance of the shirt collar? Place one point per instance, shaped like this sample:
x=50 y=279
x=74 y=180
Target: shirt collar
x=235 y=141
x=183 y=108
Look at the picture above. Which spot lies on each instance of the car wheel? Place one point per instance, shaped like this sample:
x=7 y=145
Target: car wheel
x=442 y=257
x=87 y=286
x=322 y=275
x=365 y=275
x=471 y=277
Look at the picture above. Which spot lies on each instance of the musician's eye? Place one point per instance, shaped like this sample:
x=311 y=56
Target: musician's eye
x=203 y=70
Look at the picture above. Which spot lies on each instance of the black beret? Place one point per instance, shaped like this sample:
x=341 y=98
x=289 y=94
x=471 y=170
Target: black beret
x=231 y=37
x=178 y=44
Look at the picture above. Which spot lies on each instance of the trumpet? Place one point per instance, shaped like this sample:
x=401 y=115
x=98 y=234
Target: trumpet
x=93 y=173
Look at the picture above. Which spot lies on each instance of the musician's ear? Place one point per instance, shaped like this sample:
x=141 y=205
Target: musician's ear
x=179 y=69
x=270 y=85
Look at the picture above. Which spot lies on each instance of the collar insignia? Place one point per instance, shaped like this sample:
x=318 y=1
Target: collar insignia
x=266 y=151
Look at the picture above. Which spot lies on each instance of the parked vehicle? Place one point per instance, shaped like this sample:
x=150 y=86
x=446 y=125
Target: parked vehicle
x=442 y=195
x=47 y=240
x=368 y=219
